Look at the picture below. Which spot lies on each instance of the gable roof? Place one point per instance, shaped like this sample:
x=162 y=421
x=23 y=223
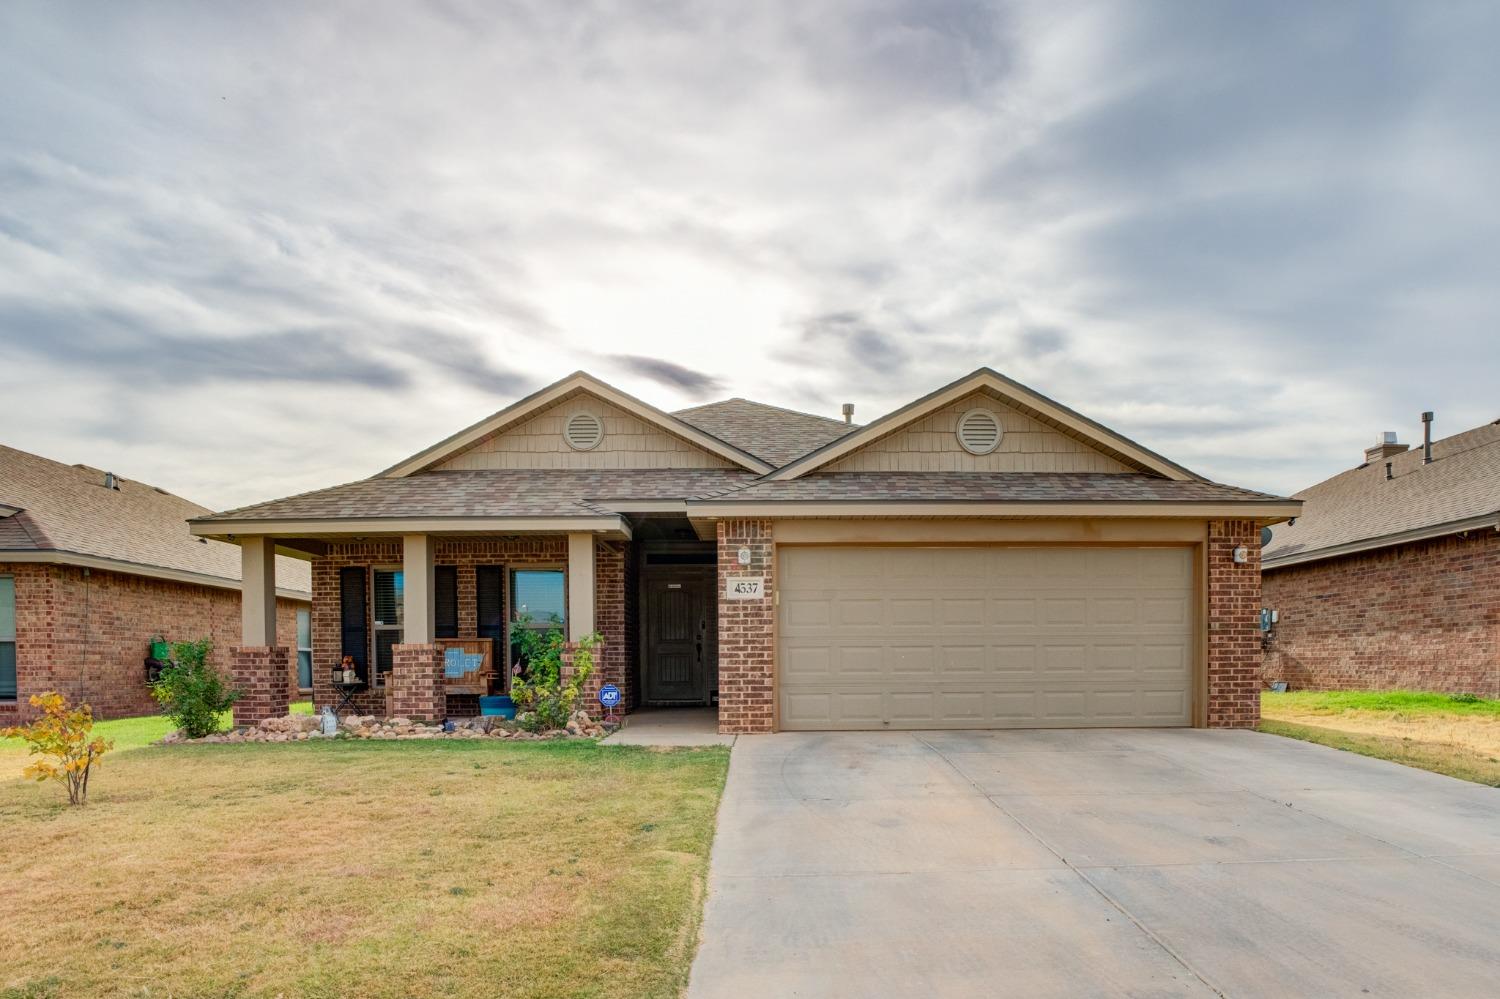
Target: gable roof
x=771 y=433
x=577 y=382
x=1032 y=403
x=65 y=513
x=1359 y=509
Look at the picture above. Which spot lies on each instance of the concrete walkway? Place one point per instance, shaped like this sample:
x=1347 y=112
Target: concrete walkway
x=671 y=727
x=1083 y=863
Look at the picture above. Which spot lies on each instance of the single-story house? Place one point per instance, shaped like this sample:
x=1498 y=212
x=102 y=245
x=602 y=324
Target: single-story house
x=981 y=557
x=1390 y=576
x=94 y=566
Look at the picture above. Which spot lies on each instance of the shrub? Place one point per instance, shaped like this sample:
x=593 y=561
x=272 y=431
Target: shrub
x=540 y=689
x=191 y=692
x=61 y=737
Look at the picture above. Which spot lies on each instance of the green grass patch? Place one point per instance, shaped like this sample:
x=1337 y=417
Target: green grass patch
x=1409 y=702
x=325 y=869
x=1440 y=758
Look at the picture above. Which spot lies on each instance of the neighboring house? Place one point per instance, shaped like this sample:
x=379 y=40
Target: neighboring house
x=92 y=566
x=1390 y=576
x=981 y=558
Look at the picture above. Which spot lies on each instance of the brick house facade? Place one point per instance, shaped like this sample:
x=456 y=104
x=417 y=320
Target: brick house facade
x=1419 y=616
x=84 y=633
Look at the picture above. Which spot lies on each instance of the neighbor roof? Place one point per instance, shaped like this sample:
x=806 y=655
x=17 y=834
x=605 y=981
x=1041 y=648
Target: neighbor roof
x=67 y=512
x=771 y=433
x=1360 y=509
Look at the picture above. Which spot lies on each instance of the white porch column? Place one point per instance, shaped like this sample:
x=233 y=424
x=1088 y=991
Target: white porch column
x=257 y=592
x=417 y=576
x=580 y=586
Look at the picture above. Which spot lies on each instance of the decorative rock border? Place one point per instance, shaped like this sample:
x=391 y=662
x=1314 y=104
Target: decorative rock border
x=305 y=728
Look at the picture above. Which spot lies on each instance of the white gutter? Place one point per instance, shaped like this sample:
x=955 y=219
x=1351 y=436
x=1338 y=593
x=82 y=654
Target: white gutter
x=1490 y=520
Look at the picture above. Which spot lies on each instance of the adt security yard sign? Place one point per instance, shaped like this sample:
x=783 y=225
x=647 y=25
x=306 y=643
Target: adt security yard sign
x=745 y=588
x=609 y=696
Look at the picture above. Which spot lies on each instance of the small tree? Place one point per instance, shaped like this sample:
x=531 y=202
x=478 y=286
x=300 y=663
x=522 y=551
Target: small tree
x=191 y=692
x=61 y=737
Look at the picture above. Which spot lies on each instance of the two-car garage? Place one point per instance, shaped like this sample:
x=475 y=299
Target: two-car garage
x=925 y=637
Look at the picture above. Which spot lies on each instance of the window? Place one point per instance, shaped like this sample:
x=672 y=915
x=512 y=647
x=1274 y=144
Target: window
x=304 y=648
x=538 y=602
x=7 y=638
x=388 y=605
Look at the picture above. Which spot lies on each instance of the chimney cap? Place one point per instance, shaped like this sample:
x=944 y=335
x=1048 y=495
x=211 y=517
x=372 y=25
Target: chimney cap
x=1388 y=437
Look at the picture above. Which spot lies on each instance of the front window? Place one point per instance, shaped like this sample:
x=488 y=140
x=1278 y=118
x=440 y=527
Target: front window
x=304 y=648
x=7 y=638
x=389 y=616
x=538 y=600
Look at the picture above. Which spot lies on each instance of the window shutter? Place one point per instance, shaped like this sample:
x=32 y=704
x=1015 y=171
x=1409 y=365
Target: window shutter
x=489 y=599
x=354 y=633
x=445 y=599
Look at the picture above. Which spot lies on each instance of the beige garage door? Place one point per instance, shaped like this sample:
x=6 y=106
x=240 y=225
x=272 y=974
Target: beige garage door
x=912 y=638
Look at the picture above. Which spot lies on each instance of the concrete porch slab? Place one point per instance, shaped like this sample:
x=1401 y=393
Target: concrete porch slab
x=670 y=727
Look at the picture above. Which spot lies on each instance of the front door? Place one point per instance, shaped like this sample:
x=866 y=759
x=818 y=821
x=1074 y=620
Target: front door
x=681 y=632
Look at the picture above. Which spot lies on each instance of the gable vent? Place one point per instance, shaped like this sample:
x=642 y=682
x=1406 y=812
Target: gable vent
x=584 y=431
x=979 y=431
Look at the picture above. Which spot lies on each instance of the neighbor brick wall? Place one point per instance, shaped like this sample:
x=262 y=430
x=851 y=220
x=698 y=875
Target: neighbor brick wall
x=86 y=636
x=610 y=609
x=1233 y=625
x=260 y=674
x=747 y=630
x=1419 y=616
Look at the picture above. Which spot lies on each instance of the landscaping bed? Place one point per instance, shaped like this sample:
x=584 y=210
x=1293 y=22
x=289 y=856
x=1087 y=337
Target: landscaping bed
x=306 y=727
x=354 y=866
x=1457 y=735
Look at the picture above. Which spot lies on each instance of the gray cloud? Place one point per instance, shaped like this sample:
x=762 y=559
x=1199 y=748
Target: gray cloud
x=1248 y=237
x=694 y=383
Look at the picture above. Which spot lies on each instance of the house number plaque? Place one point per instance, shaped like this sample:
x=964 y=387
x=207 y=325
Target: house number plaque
x=745 y=588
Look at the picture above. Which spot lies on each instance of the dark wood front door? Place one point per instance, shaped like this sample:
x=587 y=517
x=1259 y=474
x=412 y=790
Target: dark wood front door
x=681 y=637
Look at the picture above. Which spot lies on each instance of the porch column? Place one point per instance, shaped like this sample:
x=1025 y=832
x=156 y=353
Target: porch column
x=580 y=586
x=417 y=574
x=257 y=592
x=258 y=667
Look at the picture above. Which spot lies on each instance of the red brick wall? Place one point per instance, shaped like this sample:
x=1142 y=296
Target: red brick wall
x=86 y=635
x=259 y=672
x=417 y=684
x=611 y=609
x=747 y=631
x=1233 y=625
x=1419 y=616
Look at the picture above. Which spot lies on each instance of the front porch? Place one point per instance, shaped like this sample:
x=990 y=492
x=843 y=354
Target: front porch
x=417 y=613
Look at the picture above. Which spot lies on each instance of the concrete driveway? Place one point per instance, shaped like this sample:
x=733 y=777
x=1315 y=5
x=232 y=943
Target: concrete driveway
x=1079 y=863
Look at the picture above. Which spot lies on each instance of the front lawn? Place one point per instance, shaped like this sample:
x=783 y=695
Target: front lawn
x=330 y=869
x=1458 y=736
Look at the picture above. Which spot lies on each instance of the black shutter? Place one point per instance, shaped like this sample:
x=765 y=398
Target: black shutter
x=354 y=635
x=489 y=600
x=445 y=600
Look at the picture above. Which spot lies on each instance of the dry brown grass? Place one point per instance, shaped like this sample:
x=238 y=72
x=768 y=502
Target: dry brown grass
x=359 y=869
x=1463 y=741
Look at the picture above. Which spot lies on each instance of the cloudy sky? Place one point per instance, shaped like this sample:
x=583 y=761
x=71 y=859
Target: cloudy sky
x=252 y=249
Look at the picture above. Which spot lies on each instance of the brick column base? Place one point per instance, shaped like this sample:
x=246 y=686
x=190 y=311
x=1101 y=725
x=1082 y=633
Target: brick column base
x=259 y=672
x=417 y=689
x=588 y=696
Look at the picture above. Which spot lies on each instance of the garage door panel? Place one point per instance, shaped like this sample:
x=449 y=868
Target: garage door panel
x=985 y=637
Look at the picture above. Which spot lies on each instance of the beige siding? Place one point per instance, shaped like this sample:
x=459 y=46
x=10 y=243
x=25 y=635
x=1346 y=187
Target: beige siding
x=931 y=445
x=629 y=442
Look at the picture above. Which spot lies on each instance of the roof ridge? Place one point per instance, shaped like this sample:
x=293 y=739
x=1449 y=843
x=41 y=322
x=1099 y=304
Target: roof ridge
x=770 y=405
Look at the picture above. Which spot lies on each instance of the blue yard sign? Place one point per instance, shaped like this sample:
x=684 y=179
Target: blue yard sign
x=609 y=696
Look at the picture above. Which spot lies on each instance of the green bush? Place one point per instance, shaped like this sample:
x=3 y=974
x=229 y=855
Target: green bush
x=540 y=691
x=191 y=692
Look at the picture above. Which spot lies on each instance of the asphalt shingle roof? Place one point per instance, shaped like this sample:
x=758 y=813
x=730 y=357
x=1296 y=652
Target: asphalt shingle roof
x=493 y=493
x=1462 y=482
x=980 y=487
x=67 y=508
x=774 y=435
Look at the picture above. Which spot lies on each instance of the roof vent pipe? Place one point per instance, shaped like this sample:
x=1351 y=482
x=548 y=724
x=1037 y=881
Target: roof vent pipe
x=1388 y=475
x=848 y=412
x=1427 y=437
x=111 y=481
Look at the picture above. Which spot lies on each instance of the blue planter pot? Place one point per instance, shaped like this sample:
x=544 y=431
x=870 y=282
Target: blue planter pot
x=497 y=707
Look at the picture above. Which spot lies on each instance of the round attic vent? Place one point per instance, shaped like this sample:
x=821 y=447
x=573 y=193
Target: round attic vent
x=584 y=431
x=979 y=431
